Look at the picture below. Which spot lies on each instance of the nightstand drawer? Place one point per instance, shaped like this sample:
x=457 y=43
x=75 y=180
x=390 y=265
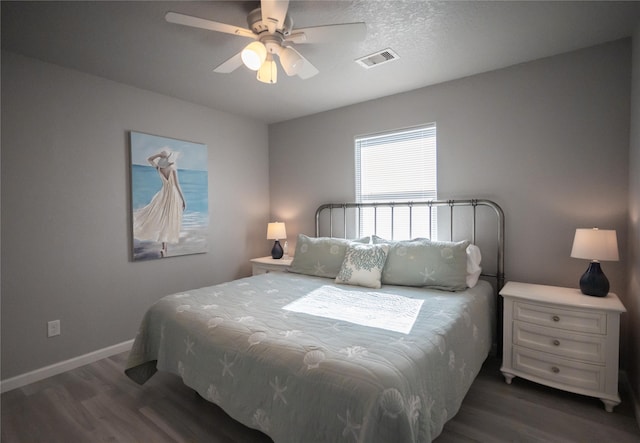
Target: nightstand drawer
x=584 y=347
x=580 y=321
x=558 y=370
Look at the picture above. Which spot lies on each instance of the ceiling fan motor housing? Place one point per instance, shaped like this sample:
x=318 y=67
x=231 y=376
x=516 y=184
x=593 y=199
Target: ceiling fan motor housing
x=272 y=42
x=254 y=20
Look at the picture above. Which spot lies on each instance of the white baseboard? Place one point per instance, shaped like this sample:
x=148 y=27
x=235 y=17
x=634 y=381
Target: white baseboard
x=63 y=366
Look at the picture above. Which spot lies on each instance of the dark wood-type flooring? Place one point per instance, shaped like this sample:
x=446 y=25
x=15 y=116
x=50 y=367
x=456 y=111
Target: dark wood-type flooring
x=98 y=403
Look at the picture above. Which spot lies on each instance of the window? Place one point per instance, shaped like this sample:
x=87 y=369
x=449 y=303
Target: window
x=397 y=166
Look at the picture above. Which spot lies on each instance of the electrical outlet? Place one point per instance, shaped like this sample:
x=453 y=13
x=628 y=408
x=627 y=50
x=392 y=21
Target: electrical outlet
x=53 y=328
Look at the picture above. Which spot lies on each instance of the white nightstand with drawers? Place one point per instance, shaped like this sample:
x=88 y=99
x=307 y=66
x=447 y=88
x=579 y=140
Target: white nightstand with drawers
x=562 y=338
x=267 y=264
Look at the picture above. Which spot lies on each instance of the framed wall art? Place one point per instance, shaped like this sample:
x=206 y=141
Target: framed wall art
x=169 y=197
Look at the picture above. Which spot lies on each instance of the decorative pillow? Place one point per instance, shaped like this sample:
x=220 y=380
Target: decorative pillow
x=474 y=258
x=321 y=256
x=363 y=264
x=422 y=262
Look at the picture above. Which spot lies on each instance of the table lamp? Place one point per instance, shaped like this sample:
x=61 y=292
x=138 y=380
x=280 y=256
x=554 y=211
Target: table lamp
x=595 y=245
x=276 y=231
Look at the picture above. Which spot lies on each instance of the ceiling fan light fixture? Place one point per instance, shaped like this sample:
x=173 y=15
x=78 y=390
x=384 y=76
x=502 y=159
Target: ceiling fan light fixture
x=291 y=61
x=271 y=27
x=254 y=55
x=268 y=72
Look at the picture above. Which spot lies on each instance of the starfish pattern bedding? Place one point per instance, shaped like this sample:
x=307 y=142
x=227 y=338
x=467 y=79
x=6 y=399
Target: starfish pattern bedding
x=300 y=377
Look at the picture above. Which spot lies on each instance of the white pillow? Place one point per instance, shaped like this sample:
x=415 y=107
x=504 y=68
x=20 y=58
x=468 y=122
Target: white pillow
x=473 y=265
x=363 y=264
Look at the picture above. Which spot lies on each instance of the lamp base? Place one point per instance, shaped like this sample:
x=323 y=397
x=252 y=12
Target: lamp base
x=277 y=251
x=593 y=282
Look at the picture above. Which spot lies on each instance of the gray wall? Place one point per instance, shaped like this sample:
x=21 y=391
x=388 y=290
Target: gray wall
x=547 y=140
x=65 y=208
x=632 y=301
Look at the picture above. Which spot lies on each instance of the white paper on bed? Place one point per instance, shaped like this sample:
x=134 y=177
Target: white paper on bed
x=374 y=309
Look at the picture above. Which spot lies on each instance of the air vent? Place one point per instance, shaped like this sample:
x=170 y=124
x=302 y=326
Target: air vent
x=380 y=57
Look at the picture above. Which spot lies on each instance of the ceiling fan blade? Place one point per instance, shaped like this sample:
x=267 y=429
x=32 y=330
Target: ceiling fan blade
x=230 y=65
x=274 y=13
x=329 y=33
x=307 y=70
x=196 y=22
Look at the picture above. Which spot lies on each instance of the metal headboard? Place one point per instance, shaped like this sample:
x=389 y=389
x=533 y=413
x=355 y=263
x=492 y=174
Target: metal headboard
x=430 y=204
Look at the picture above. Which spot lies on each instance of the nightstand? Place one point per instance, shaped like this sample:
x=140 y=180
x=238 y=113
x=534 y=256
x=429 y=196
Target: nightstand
x=267 y=264
x=562 y=338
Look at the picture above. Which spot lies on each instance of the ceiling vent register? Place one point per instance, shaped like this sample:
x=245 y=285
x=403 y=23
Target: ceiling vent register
x=378 y=58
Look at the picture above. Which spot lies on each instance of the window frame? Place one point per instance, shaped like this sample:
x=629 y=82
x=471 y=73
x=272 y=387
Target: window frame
x=405 y=138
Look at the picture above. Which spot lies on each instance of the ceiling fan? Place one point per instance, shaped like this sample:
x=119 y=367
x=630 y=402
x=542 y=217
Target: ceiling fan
x=272 y=30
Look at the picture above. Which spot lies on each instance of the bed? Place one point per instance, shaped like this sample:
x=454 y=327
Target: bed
x=321 y=354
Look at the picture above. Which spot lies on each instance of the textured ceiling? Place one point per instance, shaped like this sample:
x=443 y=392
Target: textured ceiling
x=130 y=42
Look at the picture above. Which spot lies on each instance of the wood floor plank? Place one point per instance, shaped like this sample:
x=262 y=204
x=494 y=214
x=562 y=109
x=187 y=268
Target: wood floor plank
x=513 y=426
x=70 y=410
x=121 y=423
x=544 y=404
x=98 y=403
x=45 y=421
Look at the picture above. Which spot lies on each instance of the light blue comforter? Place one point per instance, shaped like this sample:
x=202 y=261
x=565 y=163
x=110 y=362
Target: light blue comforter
x=249 y=347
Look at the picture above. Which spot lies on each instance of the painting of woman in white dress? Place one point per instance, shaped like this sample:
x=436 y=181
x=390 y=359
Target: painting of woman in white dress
x=169 y=197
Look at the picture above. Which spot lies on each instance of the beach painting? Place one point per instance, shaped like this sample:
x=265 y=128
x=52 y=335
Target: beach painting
x=169 y=197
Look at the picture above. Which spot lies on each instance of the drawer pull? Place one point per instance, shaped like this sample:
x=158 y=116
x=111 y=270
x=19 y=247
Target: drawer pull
x=555 y=369
x=556 y=343
x=555 y=318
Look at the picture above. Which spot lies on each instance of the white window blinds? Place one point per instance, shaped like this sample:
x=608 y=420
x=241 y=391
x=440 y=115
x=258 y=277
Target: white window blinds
x=397 y=166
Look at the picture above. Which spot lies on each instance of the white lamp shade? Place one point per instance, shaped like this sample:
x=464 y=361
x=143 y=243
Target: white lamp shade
x=276 y=231
x=268 y=72
x=291 y=61
x=254 y=55
x=595 y=244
